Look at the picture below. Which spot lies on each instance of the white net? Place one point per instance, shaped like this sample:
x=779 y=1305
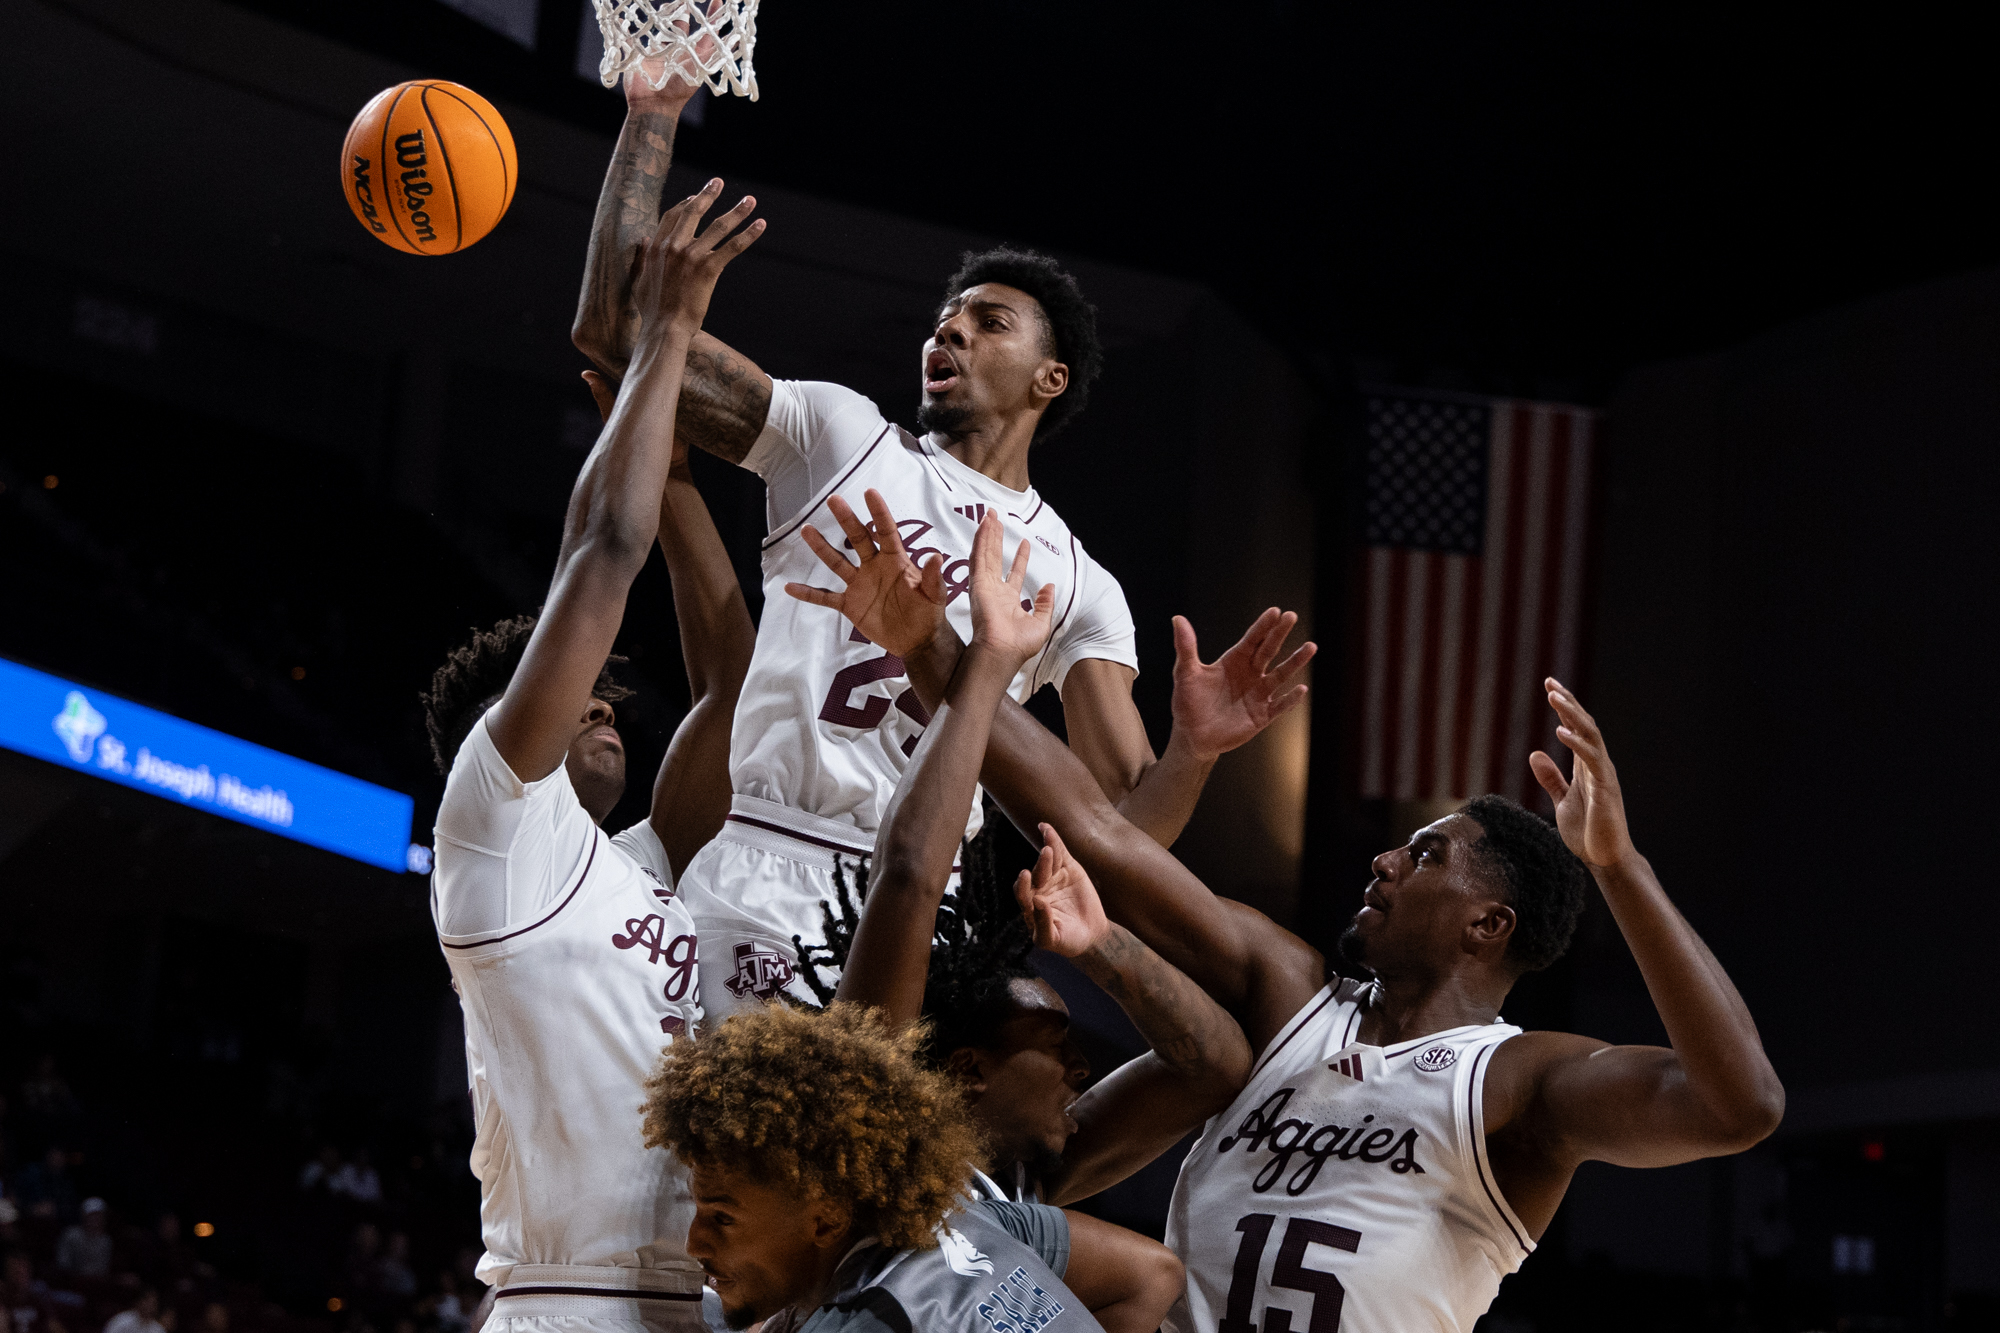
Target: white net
x=708 y=40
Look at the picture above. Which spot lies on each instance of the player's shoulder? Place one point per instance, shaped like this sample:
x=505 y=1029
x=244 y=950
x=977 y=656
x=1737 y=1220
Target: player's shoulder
x=1523 y=1065
x=820 y=402
x=870 y=1310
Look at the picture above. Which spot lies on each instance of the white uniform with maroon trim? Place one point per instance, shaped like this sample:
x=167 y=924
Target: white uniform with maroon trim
x=575 y=965
x=827 y=720
x=1348 y=1187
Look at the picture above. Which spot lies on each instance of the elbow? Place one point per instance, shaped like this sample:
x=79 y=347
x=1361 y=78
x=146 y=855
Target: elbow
x=1162 y=1279
x=1755 y=1117
x=612 y=541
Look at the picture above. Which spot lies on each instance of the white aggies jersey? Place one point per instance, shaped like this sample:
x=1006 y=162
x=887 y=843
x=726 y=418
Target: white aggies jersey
x=827 y=720
x=1347 y=1188
x=575 y=964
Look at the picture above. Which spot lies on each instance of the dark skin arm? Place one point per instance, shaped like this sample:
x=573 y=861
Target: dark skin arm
x=1198 y=1059
x=1128 y=1281
x=1260 y=973
x=890 y=958
x=1555 y=1100
x=724 y=396
x=1213 y=714
x=614 y=511
x=692 y=790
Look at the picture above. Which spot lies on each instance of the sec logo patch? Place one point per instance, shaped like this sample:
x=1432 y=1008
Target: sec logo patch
x=1437 y=1058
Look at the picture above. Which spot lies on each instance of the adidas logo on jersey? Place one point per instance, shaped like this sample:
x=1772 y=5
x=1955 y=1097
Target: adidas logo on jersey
x=975 y=512
x=1267 y=1129
x=1349 y=1065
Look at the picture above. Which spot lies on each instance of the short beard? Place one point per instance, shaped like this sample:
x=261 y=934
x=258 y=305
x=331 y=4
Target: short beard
x=1350 y=949
x=937 y=419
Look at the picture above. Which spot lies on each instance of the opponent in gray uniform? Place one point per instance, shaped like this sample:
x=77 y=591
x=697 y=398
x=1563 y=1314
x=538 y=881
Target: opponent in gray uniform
x=828 y=1170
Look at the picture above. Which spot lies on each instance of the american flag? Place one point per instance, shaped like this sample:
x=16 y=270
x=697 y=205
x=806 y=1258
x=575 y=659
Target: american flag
x=1477 y=521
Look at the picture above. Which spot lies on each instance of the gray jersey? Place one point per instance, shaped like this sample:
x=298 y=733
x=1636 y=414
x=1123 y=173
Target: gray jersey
x=997 y=1269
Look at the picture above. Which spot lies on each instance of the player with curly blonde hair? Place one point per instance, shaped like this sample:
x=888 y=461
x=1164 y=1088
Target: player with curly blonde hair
x=829 y=1170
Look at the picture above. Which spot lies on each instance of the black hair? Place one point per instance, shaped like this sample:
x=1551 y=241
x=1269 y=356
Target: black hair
x=980 y=946
x=475 y=675
x=1545 y=882
x=1069 y=323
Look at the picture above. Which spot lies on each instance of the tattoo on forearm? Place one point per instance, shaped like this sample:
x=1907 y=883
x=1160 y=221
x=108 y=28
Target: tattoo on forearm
x=1170 y=1013
x=627 y=212
x=723 y=403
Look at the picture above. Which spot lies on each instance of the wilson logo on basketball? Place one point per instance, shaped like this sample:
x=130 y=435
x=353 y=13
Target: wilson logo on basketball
x=1436 y=1059
x=412 y=158
x=1264 y=1131
x=364 y=194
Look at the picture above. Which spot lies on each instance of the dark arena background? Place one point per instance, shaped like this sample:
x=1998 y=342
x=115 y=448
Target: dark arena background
x=1710 y=297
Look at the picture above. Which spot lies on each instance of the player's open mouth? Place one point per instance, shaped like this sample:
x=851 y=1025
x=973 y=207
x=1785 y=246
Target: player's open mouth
x=939 y=373
x=1373 y=899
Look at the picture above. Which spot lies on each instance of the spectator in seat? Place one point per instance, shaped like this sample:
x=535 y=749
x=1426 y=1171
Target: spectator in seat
x=142 y=1317
x=85 y=1247
x=49 y=1110
x=357 y=1180
x=47 y=1189
x=320 y=1172
x=27 y=1305
x=393 y=1276
x=448 y=1310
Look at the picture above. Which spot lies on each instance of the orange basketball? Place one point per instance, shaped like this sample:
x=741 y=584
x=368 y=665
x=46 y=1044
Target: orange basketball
x=429 y=167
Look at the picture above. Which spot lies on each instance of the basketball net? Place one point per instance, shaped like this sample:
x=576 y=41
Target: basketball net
x=709 y=43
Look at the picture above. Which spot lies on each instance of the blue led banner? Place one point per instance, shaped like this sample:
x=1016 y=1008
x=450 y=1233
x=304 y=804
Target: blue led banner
x=112 y=738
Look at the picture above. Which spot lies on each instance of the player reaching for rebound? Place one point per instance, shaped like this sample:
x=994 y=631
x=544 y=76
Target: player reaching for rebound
x=1399 y=1149
x=573 y=959
x=827 y=721
x=1005 y=1036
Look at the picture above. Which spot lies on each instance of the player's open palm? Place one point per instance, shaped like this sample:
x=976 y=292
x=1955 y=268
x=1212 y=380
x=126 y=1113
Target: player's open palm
x=1059 y=902
x=1220 y=705
x=678 y=268
x=1590 y=810
x=883 y=593
x=1002 y=619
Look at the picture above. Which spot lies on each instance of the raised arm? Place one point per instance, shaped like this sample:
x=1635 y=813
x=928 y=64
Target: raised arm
x=1555 y=1100
x=1217 y=706
x=1255 y=969
x=614 y=511
x=691 y=792
x=1198 y=1061
x=890 y=958
x=724 y=397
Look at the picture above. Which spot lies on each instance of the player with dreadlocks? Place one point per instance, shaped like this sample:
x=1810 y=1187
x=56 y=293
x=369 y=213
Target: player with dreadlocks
x=573 y=959
x=1002 y=1032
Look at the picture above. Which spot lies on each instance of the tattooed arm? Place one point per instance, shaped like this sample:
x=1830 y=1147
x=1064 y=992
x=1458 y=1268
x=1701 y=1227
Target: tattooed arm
x=724 y=396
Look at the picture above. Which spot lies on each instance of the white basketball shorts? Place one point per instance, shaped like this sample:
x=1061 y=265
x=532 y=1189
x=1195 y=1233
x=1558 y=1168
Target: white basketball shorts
x=766 y=879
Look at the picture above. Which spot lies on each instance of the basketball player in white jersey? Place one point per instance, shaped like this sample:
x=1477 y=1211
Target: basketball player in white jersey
x=573 y=960
x=1399 y=1148
x=827 y=720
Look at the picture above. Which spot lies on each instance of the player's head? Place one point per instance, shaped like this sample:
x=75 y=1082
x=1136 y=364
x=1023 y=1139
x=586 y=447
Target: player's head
x=998 y=1029
x=1492 y=885
x=1014 y=335
x=805 y=1131
x=474 y=677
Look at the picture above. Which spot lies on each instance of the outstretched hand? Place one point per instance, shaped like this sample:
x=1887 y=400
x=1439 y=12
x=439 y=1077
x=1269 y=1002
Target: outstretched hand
x=883 y=594
x=1590 y=810
x=1220 y=705
x=679 y=266
x=682 y=79
x=1002 y=619
x=1059 y=902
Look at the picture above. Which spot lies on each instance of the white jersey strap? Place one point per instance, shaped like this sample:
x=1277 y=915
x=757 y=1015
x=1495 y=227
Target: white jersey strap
x=1473 y=1118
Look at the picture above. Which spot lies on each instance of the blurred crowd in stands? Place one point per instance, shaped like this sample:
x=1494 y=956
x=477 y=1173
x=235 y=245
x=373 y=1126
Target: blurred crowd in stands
x=332 y=1249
